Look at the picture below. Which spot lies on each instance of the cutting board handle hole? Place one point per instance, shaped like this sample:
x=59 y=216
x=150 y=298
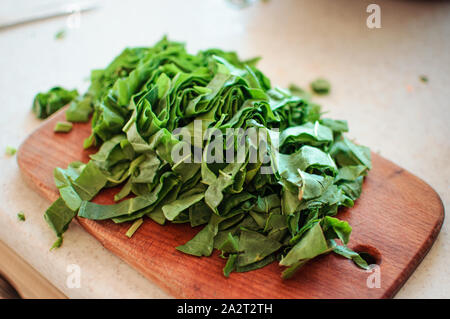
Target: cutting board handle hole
x=369 y=253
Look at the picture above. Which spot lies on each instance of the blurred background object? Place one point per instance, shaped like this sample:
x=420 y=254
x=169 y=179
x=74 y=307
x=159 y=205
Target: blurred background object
x=7 y=291
x=20 y=12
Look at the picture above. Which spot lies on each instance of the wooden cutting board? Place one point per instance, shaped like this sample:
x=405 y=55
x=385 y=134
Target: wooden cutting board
x=396 y=220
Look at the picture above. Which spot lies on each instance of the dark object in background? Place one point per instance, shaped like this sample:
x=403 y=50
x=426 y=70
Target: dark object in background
x=7 y=291
x=45 y=104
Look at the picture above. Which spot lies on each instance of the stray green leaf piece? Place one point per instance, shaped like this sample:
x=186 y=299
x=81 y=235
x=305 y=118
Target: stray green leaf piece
x=58 y=242
x=58 y=216
x=137 y=223
x=423 y=78
x=230 y=265
x=350 y=254
x=320 y=86
x=172 y=210
x=10 y=150
x=47 y=103
x=63 y=127
x=21 y=216
x=60 y=34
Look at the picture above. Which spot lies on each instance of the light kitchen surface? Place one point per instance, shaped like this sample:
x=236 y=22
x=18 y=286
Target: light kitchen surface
x=375 y=86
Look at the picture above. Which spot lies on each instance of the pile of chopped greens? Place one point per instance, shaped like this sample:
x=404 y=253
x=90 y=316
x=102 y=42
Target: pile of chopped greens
x=253 y=218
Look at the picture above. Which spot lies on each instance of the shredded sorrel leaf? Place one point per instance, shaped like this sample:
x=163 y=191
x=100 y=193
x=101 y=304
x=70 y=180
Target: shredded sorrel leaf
x=21 y=216
x=47 y=103
x=63 y=127
x=160 y=115
x=320 y=86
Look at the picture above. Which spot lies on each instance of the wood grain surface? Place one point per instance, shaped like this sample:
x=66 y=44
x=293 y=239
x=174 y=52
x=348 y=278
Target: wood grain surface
x=396 y=220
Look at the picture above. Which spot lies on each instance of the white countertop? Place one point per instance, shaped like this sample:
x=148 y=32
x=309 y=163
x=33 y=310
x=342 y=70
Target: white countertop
x=375 y=86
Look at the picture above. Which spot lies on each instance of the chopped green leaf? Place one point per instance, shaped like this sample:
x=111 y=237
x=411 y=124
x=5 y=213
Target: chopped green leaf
x=423 y=78
x=47 y=103
x=137 y=223
x=60 y=34
x=10 y=150
x=79 y=109
x=58 y=217
x=255 y=247
x=230 y=265
x=21 y=216
x=320 y=86
x=63 y=127
x=350 y=254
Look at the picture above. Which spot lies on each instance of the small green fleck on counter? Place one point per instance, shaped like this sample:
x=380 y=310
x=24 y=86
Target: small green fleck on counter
x=63 y=127
x=10 y=150
x=321 y=86
x=300 y=92
x=254 y=219
x=61 y=34
x=423 y=78
x=21 y=216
